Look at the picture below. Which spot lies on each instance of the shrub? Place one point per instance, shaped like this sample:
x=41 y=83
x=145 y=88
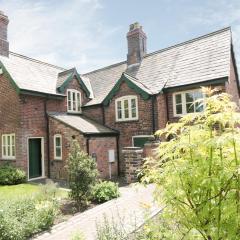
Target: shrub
x=20 y=219
x=82 y=173
x=105 y=191
x=197 y=172
x=11 y=176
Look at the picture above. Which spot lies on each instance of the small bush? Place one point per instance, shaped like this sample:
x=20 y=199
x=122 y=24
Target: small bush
x=11 y=176
x=105 y=191
x=20 y=219
x=82 y=172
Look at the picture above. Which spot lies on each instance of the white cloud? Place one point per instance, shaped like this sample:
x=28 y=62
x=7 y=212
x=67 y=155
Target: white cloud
x=221 y=13
x=65 y=33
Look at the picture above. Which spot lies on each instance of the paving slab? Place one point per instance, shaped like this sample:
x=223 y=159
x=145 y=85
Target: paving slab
x=129 y=210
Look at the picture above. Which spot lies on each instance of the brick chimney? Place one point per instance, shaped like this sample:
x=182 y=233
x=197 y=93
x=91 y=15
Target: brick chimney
x=137 y=44
x=4 y=45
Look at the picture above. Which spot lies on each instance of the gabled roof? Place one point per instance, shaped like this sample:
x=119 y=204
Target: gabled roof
x=132 y=83
x=65 y=77
x=195 y=61
x=83 y=124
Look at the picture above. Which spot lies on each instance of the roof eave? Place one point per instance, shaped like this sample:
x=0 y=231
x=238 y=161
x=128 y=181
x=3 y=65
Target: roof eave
x=41 y=94
x=145 y=95
x=195 y=85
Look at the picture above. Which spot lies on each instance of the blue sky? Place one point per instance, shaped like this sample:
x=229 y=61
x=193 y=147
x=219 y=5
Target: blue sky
x=90 y=34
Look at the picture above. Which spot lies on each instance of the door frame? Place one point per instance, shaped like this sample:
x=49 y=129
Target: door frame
x=42 y=160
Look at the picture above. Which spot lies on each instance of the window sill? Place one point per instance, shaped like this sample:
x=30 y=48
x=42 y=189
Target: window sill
x=127 y=120
x=74 y=113
x=57 y=160
x=7 y=159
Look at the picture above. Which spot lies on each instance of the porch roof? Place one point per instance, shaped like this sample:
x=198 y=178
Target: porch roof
x=83 y=124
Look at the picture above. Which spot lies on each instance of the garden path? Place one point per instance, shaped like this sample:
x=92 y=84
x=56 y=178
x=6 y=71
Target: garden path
x=129 y=210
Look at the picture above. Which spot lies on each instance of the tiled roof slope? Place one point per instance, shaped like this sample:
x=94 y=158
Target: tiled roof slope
x=103 y=80
x=198 y=60
x=31 y=74
x=82 y=124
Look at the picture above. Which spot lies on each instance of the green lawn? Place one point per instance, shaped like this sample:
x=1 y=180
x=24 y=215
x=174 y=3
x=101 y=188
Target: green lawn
x=25 y=190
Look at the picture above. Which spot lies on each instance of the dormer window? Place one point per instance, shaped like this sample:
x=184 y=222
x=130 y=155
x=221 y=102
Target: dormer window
x=74 y=101
x=126 y=108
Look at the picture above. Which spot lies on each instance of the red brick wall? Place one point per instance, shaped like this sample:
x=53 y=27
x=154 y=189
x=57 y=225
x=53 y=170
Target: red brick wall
x=127 y=129
x=161 y=111
x=94 y=112
x=100 y=147
x=33 y=125
x=231 y=85
x=58 y=169
x=97 y=145
x=10 y=115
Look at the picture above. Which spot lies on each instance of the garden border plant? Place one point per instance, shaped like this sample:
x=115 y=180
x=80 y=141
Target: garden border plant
x=198 y=172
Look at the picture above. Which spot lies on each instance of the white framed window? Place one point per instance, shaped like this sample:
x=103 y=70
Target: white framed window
x=126 y=108
x=186 y=102
x=58 y=146
x=74 y=102
x=8 y=146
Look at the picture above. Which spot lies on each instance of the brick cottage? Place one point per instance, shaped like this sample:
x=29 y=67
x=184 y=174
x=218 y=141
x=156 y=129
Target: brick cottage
x=44 y=107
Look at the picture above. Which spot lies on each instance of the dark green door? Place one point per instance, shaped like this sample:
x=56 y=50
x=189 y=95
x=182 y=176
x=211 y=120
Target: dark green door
x=35 y=158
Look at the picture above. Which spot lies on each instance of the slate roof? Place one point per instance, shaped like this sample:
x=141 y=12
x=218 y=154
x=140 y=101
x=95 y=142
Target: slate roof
x=198 y=60
x=83 y=124
x=31 y=74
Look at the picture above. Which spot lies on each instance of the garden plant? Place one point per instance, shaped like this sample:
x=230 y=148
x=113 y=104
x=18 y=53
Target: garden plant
x=197 y=172
x=82 y=172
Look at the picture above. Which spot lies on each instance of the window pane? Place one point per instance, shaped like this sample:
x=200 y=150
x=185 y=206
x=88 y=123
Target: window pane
x=134 y=112
x=58 y=141
x=13 y=151
x=179 y=109
x=69 y=96
x=126 y=110
x=78 y=102
x=178 y=98
x=74 y=101
x=8 y=150
x=198 y=107
x=190 y=107
x=4 y=151
x=69 y=101
x=119 y=109
x=58 y=152
x=189 y=97
x=133 y=103
x=198 y=95
x=133 y=107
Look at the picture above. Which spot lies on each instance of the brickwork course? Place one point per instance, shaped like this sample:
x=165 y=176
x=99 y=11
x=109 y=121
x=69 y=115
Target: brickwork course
x=33 y=96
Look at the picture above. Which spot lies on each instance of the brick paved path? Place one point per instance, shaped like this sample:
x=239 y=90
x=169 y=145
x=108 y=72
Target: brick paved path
x=127 y=210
